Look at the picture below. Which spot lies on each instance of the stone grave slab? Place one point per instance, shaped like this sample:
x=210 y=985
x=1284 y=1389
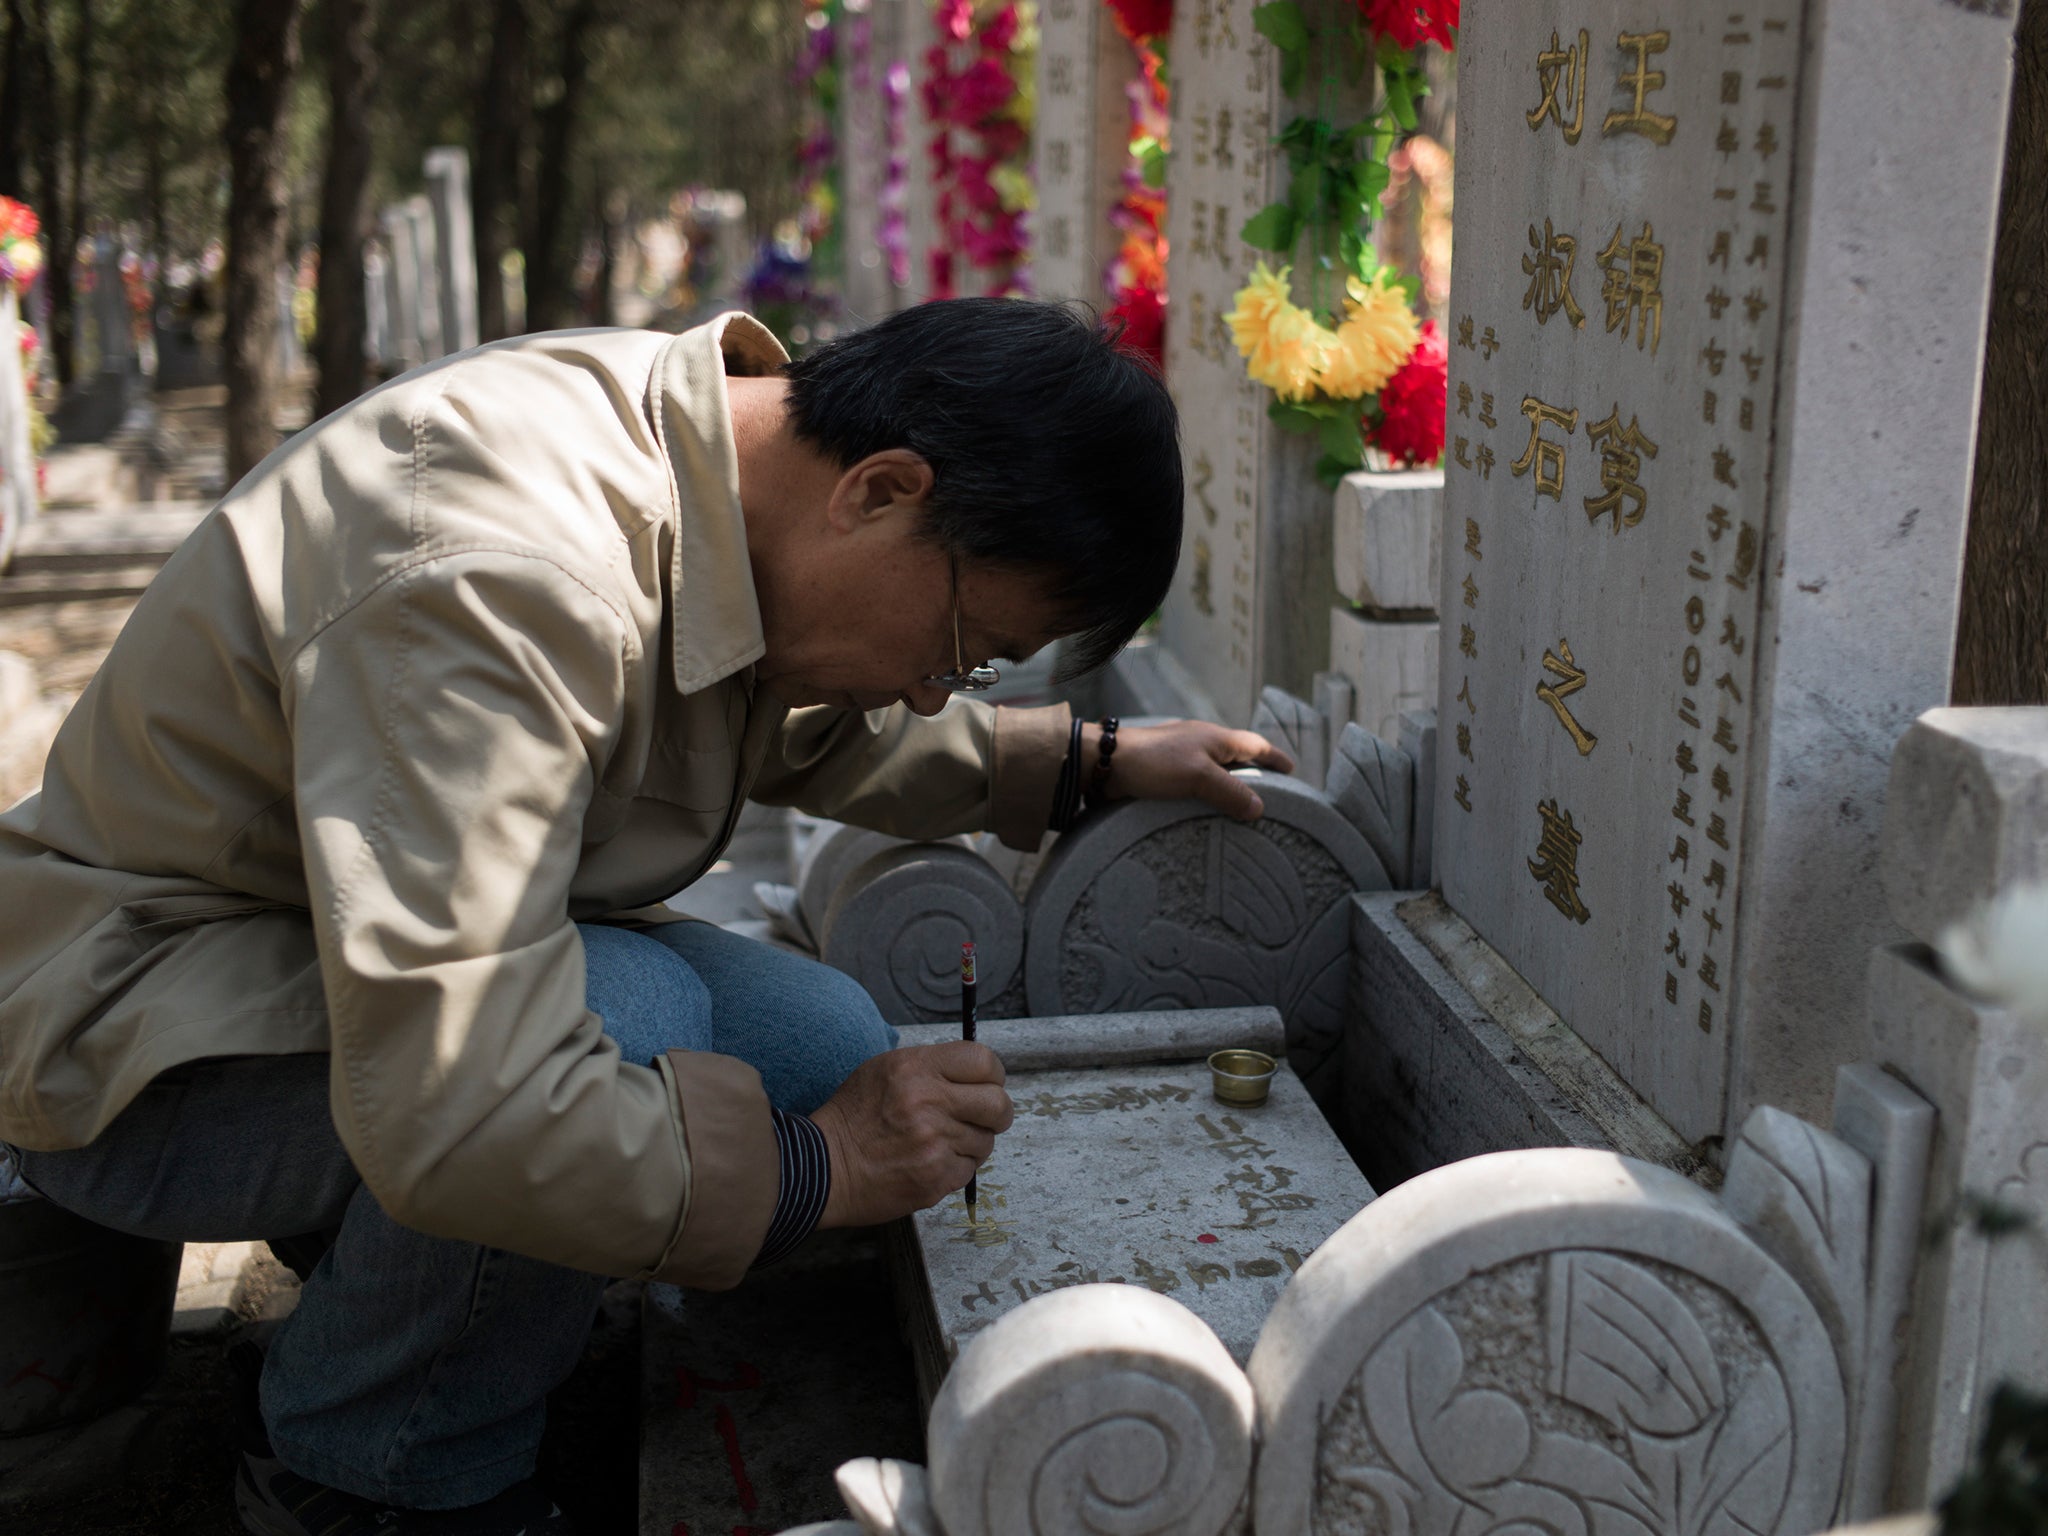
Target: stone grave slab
x=1686 y=613
x=447 y=174
x=1129 y=1172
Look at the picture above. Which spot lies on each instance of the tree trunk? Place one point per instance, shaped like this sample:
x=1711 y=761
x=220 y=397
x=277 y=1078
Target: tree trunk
x=2002 y=636
x=59 y=238
x=13 y=87
x=266 y=54
x=344 y=205
x=501 y=118
x=549 y=257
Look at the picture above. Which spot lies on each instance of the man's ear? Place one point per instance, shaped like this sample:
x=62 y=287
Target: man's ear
x=895 y=477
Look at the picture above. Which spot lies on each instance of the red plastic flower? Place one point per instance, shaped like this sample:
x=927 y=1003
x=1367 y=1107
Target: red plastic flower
x=1408 y=23
x=1412 y=402
x=1143 y=316
x=1001 y=30
x=981 y=91
x=956 y=19
x=1140 y=19
x=18 y=221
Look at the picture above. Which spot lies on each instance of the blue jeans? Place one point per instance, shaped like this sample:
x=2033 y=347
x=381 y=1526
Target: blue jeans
x=415 y=1369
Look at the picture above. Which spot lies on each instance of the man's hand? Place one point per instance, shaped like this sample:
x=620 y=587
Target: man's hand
x=1184 y=760
x=910 y=1127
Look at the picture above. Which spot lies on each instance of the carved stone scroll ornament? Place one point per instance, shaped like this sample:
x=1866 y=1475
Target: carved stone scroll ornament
x=1166 y=904
x=897 y=922
x=1564 y=1341
x=1099 y=1410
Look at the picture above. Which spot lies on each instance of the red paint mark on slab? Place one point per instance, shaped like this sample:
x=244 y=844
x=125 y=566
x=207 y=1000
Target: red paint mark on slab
x=689 y=1384
x=729 y=1432
x=680 y=1528
x=1206 y=1237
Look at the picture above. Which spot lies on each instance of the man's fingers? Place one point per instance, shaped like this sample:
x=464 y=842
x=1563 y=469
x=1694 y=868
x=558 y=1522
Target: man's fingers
x=961 y=1061
x=1251 y=747
x=1230 y=795
x=984 y=1105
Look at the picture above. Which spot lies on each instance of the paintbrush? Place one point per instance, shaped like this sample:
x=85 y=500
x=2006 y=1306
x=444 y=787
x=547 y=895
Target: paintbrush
x=967 y=1033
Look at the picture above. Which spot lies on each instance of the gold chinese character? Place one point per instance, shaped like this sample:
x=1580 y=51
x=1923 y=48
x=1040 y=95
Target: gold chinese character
x=1561 y=73
x=1572 y=679
x=1464 y=399
x=1204 y=473
x=1198 y=582
x=1633 y=286
x=1468 y=643
x=1463 y=794
x=1465 y=697
x=1472 y=539
x=1471 y=592
x=1639 y=119
x=1556 y=863
x=1486 y=410
x=1464 y=739
x=1549 y=270
x=1488 y=343
x=1484 y=459
x=1621 y=450
x=1546 y=457
x=1465 y=332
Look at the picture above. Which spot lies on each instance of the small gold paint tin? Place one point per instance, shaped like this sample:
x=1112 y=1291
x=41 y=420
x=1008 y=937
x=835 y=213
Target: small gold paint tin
x=1241 y=1076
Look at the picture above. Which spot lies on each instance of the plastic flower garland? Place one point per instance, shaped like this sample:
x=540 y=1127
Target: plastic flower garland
x=1332 y=363
x=1136 y=278
x=21 y=252
x=817 y=75
x=893 y=231
x=982 y=197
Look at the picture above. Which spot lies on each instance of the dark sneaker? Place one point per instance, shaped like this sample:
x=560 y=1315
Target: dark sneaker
x=274 y=1501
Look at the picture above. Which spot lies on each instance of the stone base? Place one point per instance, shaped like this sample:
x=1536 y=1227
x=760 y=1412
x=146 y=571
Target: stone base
x=1450 y=1055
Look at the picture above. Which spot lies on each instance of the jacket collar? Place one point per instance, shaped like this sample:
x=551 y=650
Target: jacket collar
x=715 y=615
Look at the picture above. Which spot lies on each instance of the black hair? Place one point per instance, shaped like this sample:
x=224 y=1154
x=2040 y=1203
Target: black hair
x=1053 y=449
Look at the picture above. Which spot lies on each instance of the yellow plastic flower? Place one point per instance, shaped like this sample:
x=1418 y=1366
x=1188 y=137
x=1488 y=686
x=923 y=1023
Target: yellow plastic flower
x=1378 y=333
x=1282 y=345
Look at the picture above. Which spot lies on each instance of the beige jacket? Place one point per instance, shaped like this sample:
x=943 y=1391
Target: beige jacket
x=470 y=661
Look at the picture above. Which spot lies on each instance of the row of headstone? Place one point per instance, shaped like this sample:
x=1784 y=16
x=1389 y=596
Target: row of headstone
x=1667 y=725
x=421 y=284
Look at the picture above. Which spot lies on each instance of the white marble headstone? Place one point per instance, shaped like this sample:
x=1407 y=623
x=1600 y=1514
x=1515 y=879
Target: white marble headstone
x=1654 y=802
x=447 y=171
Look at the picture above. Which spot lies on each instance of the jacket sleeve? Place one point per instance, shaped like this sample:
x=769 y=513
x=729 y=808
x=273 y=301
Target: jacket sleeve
x=970 y=768
x=444 y=758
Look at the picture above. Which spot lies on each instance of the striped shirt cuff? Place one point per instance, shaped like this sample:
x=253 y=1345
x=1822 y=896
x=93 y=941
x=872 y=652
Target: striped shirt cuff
x=806 y=1181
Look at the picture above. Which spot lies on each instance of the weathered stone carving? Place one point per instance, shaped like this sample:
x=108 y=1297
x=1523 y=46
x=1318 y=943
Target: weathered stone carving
x=897 y=922
x=1373 y=785
x=1806 y=1198
x=1564 y=1341
x=1161 y=904
x=1300 y=728
x=1100 y=1410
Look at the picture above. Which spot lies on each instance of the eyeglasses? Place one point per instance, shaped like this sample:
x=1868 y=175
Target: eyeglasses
x=963 y=678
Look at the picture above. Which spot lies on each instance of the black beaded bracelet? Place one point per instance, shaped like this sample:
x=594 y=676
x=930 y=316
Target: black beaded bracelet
x=1098 y=783
x=1066 y=794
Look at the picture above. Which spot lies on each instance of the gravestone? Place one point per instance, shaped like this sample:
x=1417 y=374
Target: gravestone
x=18 y=501
x=1165 y=904
x=377 y=306
x=416 y=219
x=290 y=355
x=863 y=162
x=1696 y=578
x=1078 y=147
x=402 y=288
x=116 y=323
x=1122 y=1166
x=447 y=172
x=1246 y=606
